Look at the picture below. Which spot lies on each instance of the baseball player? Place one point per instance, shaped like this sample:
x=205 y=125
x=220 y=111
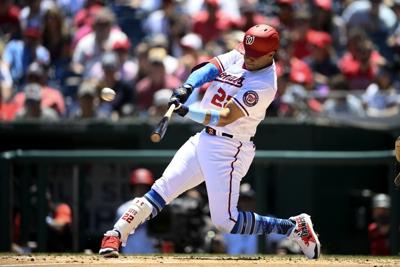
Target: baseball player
x=243 y=85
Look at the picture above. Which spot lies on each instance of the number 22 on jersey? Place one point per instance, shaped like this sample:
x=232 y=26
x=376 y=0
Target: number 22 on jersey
x=221 y=98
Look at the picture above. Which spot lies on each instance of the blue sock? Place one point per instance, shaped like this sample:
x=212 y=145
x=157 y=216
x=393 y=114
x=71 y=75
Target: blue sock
x=156 y=201
x=250 y=223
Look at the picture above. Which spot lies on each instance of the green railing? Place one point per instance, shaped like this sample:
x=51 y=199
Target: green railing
x=43 y=159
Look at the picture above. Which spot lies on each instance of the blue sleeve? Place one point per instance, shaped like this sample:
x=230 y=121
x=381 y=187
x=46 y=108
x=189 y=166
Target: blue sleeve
x=205 y=74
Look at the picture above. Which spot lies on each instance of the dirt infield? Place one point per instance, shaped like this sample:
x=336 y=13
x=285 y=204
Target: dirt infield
x=45 y=260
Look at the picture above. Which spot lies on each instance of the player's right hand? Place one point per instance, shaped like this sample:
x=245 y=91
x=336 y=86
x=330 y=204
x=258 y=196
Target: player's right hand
x=182 y=93
x=180 y=108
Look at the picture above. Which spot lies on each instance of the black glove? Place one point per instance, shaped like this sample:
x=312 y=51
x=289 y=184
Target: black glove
x=182 y=93
x=180 y=108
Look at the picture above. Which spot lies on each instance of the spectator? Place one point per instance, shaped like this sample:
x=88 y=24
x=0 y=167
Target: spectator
x=84 y=19
x=179 y=27
x=340 y=102
x=18 y=54
x=9 y=21
x=91 y=47
x=191 y=45
x=324 y=19
x=160 y=104
x=59 y=223
x=54 y=32
x=32 y=108
x=321 y=60
x=127 y=67
x=141 y=180
x=212 y=22
x=156 y=79
x=381 y=98
x=378 y=230
x=6 y=82
x=159 y=21
x=31 y=15
x=394 y=38
x=70 y=8
x=88 y=103
x=285 y=17
x=142 y=55
x=51 y=98
x=249 y=16
x=161 y=41
x=298 y=35
x=8 y=108
x=361 y=62
x=124 y=100
x=375 y=18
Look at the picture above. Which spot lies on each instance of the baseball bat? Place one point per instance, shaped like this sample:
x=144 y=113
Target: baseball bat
x=159 y=131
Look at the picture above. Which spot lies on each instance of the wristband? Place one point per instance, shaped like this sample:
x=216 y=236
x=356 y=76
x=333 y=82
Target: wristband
x=214 y=117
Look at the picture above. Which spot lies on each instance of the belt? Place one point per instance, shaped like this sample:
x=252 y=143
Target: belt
x=212 y=131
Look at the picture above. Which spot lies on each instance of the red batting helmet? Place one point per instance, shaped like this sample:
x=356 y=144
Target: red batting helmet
x=141 y=176
x=259 y=40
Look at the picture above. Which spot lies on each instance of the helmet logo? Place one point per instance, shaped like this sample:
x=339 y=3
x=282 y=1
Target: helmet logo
x=249 y=39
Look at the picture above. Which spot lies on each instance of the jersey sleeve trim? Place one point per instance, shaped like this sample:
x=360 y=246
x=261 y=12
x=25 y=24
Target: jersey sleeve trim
x=241 y=106
x=218 y=64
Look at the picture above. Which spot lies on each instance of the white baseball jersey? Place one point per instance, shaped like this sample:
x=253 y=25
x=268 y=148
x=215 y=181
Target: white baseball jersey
x=252 y=91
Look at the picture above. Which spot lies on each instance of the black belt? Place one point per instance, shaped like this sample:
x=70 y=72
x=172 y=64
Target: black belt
x=212 y=131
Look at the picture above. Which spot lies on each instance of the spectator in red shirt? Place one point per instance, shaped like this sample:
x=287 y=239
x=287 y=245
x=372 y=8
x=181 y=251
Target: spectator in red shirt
x=8 y=109
x=361 y=62
x=50 y=97
x=32 y=109
x=211 y=22
x=156 y=79
x=9 y=20
x=298 y=35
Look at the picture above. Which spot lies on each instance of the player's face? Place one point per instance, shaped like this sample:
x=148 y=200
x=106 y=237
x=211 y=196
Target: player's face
x=256 y=63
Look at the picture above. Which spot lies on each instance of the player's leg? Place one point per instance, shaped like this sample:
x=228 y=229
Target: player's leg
x=223 y=173
x=182 y=173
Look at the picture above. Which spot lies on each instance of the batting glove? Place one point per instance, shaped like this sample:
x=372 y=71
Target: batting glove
x=180 y=109
x=182 y=93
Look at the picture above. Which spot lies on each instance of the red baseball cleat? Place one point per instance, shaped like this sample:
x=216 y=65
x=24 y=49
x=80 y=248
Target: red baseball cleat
x=110 y=246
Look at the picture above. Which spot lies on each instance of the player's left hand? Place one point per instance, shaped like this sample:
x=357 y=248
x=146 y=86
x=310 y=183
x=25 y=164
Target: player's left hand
x=182 y=92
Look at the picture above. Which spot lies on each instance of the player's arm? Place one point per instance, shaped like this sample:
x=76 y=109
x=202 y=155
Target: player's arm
x=197 y=78
x=203 y=73
x=230 y=113
x=222 y=117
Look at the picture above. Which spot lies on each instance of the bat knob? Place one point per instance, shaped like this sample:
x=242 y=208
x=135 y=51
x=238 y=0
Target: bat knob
x=155 y=138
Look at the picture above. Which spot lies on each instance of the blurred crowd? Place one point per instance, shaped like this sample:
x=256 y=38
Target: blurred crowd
x=336 y=56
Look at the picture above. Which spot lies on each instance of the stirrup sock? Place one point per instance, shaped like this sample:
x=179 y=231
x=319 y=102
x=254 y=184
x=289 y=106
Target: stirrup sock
x=251 y=223
x=156 y=201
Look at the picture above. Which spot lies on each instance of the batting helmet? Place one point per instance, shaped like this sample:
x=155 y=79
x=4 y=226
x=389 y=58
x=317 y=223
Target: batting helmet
x=141 y=176
x=259 y=40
